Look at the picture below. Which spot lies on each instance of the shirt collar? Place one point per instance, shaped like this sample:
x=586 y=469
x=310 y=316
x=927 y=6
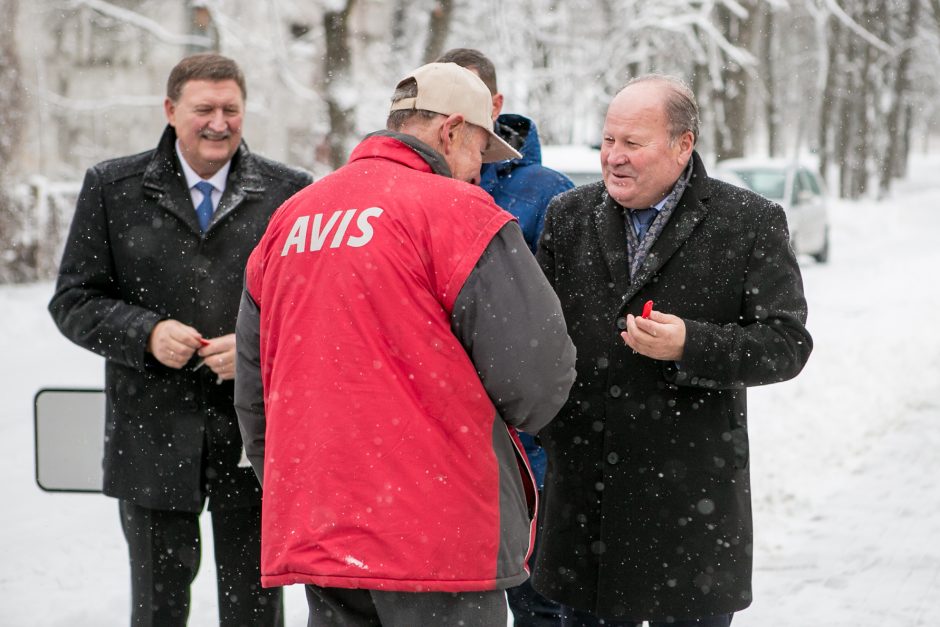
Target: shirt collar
x=217 y=180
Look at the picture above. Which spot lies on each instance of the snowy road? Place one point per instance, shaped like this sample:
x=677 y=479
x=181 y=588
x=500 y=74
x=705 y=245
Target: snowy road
x=845 y=458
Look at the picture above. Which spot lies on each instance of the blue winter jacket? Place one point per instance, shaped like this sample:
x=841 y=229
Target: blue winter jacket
x=524 y=187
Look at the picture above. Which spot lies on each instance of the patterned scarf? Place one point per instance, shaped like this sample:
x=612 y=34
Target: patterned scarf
x=637 y=250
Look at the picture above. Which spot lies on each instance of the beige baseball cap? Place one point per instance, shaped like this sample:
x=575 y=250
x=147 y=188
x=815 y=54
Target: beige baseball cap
x=448 y=88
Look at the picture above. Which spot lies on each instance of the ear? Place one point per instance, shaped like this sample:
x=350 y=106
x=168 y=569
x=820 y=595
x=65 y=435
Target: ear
x=170 y=110
x=449 y=130
x=497 y=105
x=686 y=143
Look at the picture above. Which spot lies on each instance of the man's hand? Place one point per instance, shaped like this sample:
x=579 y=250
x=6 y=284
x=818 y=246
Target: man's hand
x=220 y=356
x=173 y=343
x=661 y=336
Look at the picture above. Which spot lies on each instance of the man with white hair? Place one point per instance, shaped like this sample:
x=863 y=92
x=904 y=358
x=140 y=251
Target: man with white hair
x=394 y=328
x=681 y=291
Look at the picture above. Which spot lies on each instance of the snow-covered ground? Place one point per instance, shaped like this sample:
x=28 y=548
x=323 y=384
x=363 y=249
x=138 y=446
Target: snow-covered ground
x=845 y=458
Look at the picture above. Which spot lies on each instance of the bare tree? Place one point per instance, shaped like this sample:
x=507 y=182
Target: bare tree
x=897 y=123
x=849 y=78
x=438 y=29
x=17 y=261
x=831 y=98
x=768 y=56
x=338 y=86
x=733 y=90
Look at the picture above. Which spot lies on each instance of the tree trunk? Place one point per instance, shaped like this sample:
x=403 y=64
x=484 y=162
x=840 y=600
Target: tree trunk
x=338 y=86
x=845 y=132
x=399 y=28
x=866 y=109
x=11 y=86
x=18 y=262
x=895 y=154
x=731 y=132
x=829 y=104
x=700 y=83
x=770 y=91
x=899 y=168
x=438 y=29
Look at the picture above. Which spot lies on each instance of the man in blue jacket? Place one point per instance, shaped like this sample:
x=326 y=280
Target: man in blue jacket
x=523 y=187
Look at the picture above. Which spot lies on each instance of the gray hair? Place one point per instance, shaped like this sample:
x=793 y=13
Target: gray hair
x=681 y=108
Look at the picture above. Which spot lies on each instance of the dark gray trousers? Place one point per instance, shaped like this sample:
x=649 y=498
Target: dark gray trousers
x=340 y=607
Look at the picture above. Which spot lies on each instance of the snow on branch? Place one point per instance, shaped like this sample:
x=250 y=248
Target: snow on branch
x=75 y=104
x=273 y=53
x=739 y=55
x=680 y=23
x=144 y=23
x=858 y=29
x=735 y=7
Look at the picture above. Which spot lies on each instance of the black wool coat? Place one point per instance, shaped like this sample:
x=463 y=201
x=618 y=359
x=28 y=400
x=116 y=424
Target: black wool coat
x=134 y=256
x=646 y=511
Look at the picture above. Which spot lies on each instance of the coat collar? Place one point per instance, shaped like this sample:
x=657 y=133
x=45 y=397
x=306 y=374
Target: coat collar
x=164 y=181
x=611 y=232
x=414 y=154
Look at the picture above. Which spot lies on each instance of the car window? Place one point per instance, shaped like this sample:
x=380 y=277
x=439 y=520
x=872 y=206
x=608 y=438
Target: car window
x=810 y=182
x=766 y=182
x=799 y=186
x=583 y=178
x=582 y=164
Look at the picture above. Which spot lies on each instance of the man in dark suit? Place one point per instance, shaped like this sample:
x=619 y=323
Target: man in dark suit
x=646 y=512
x=151 y=279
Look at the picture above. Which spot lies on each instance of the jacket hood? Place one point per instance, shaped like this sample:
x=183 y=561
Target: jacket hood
x=521 y=133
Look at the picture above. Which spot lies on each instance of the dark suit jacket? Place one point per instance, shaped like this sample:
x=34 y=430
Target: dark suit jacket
x=646 y=511
x=134 y=256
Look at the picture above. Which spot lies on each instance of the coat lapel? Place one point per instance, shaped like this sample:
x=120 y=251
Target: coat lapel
x=164 y=181
x=611 y=234
x=243 y=180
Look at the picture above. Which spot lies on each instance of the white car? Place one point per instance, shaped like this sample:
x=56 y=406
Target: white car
x=581 y=164
x=797 y=187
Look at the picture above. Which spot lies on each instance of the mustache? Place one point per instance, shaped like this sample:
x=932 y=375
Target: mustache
x=207 y=133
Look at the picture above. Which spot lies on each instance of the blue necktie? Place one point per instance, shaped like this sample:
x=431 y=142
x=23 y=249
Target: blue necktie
x=204 y=208
x=642 y=219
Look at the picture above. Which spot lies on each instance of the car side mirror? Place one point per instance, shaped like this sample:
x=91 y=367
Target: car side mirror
x=804 y=197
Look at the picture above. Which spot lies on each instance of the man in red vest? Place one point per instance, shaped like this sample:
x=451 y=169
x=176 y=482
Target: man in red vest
x=394 y=329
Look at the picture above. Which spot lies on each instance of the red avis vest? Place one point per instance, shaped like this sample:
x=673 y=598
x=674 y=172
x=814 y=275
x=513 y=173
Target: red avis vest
x=380 y=469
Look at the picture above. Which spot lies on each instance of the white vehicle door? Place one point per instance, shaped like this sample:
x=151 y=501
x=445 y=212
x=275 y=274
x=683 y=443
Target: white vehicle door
x=813 y=212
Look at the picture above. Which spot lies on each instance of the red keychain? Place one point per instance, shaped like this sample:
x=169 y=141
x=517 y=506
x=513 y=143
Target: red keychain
x=647 y=309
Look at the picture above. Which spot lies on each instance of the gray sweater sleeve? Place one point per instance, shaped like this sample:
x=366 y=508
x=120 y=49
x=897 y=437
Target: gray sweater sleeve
x=510 y=322
x=249 y=391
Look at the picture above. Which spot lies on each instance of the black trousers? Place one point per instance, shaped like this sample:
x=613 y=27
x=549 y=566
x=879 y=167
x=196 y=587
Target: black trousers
x=341 y=607
x=164 y=549
x=571 y=617
x=531 y=609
